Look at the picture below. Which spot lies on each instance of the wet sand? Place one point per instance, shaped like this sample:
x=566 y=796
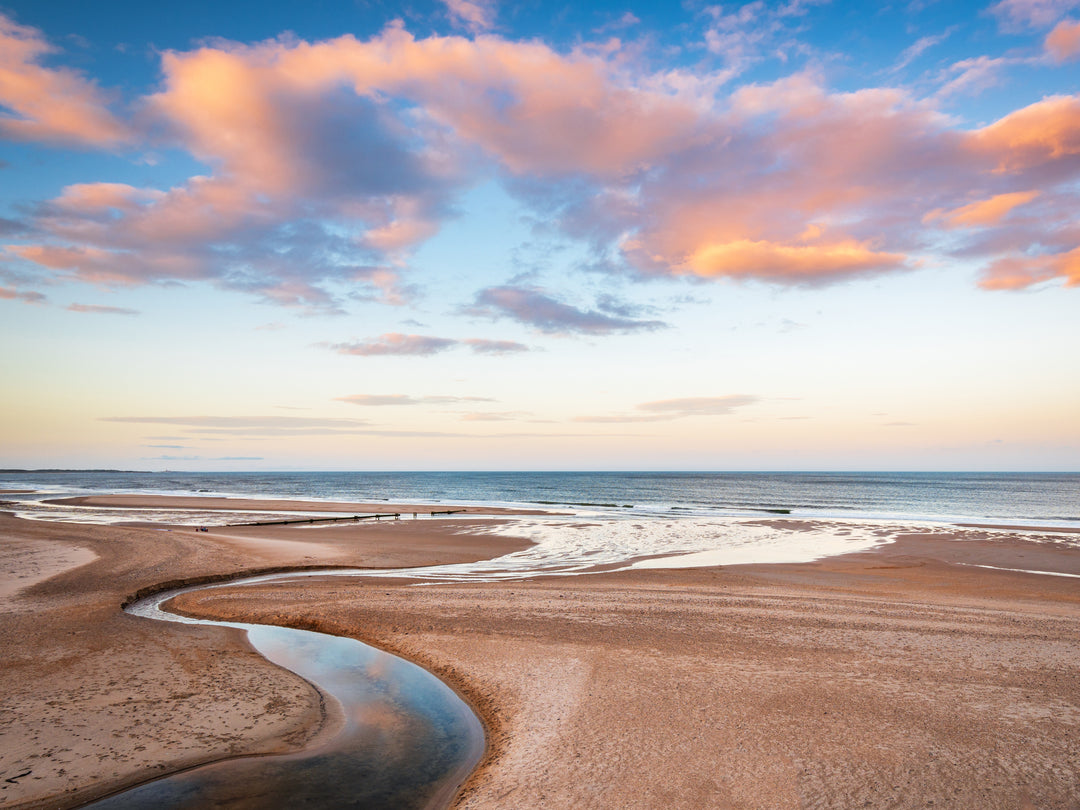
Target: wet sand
x=891 y=678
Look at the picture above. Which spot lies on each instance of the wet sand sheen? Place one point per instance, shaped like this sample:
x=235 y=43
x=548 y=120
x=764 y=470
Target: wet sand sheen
x=404 y=738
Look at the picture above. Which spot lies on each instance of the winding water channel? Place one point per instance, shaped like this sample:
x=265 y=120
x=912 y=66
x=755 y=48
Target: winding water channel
x=408 y=740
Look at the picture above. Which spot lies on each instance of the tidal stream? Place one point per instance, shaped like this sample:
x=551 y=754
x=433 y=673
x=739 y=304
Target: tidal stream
x=408 y=740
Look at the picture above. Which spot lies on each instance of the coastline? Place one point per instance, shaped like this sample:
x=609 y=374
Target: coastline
x=210 y=503
x=646 y=644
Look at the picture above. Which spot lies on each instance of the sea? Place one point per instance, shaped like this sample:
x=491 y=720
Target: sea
x=1039 y=498
x=605 y=520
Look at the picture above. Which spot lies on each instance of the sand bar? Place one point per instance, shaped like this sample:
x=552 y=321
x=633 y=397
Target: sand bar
x=896 y=677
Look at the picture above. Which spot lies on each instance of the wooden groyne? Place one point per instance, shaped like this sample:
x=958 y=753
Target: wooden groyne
x=395 y=515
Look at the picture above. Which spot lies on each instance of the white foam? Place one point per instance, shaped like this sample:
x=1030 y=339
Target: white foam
x=787 y=547
x=1024 y=570
x=578 y=545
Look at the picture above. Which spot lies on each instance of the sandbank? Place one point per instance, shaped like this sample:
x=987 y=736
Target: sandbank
x=896 y=677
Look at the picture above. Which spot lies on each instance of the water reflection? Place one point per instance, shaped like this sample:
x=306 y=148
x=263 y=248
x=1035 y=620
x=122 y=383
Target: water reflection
x=409 y=741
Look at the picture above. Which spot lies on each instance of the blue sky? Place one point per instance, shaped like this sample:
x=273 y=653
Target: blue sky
x=483 y=235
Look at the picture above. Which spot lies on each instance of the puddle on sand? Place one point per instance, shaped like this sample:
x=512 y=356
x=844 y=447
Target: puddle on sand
x=408 y=740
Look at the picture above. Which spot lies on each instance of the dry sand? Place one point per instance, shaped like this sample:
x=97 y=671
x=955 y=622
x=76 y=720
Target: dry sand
x=902 y=677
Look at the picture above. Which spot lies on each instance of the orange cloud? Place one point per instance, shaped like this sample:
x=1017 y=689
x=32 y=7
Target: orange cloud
x=49 y=104
x=983 y=212
x=223 y=107
x=1035 y=135
x=799 y=186
x=744 y=258
x=1018 y=272
x=1063 y=43
x=536 y=109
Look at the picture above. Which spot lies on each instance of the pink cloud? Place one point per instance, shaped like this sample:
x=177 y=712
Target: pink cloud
x=667 y=409
x=474 y=15
x=1019 y=272
x=101 y=310
x=208 y=229
x=329 y=162
x=486 y=346
x=802 y=186
x=538 y=111
x=90 y=198
x=533 y=306
x=1016 y=15
x=106 y=266
x=700 y=406
x=49 y=104
x=984 y=212
x=493 y=416
x=383 y=400
x=1063 y=43
x=972 y=76
x=26 y=296
x=397 y=344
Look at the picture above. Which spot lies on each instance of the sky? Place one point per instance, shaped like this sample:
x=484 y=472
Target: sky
x=474 y=234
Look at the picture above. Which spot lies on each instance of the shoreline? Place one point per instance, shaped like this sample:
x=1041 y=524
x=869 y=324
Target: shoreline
x=136 y=501
x=215 y=503
x=510 y=649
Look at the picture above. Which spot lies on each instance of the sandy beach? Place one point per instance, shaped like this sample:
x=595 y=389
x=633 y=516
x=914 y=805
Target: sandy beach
x=902 y=677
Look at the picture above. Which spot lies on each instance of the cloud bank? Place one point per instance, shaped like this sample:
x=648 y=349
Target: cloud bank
x=330 y=162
